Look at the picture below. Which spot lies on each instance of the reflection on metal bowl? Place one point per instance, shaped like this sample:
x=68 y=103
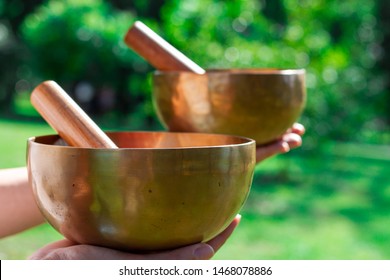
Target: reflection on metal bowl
x=160 y=190
x=257 y=103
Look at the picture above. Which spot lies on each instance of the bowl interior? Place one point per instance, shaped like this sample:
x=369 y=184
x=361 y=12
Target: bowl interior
x=157 y=140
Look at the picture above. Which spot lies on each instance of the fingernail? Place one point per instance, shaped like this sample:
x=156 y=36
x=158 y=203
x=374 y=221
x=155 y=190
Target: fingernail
x=285 y=147
x=204 y=252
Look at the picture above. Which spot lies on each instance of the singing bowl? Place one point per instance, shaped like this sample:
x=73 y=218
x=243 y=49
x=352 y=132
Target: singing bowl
x=159 y=190
x=257 y=103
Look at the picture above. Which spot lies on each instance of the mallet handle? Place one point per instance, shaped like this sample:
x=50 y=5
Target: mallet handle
x=67 y=118
x=157 y=51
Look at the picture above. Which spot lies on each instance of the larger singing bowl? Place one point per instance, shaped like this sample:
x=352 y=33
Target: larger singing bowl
x=159 y=190
x=257 y=103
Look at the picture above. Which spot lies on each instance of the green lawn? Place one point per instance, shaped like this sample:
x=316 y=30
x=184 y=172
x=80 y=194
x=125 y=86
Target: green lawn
x=316 y=207
x=333 y=204
x=13 y=139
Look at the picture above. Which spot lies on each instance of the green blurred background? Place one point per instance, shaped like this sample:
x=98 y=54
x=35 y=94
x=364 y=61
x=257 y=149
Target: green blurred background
x=329 y=199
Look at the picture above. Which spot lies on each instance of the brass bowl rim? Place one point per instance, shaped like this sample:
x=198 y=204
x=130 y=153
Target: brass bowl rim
x=238 y=71
x=246 y=142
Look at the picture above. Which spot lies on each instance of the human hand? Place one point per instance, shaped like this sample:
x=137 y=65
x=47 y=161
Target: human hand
x=68 y=250
x=290 y=140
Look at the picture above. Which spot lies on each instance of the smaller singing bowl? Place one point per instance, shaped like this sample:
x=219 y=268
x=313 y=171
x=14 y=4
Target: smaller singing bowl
x=158 y=191
x=257 y=103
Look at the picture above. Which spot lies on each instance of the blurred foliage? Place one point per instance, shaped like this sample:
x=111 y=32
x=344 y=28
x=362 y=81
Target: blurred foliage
x=79 y=44
x=83 y=46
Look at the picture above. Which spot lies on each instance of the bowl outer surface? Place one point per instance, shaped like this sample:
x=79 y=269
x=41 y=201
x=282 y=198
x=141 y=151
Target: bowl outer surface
x=141 y=198
x=260 y=104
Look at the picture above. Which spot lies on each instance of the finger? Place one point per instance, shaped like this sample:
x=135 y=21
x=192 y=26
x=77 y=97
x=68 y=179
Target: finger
x=82 y=252
x=42 y=252
x=67 y=250
x=264 y=152
x=297 y=128
x=293 y=140
x=200 y=251
x=288 y=142
x=217 y=242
